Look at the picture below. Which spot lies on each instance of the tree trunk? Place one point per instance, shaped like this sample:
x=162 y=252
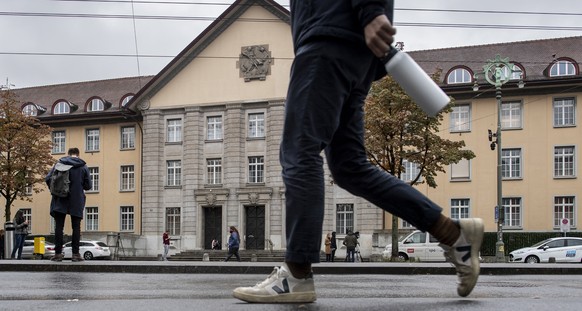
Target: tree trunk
x=394 y=255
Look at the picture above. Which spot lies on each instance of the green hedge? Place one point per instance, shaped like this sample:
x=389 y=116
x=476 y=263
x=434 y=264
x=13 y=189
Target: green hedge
x=517 y=240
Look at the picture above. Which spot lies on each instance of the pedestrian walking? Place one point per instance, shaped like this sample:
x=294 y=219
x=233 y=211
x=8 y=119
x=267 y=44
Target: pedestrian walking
x=333 y=246
x=233 y=243
x=72 y=204
x=20 y=233
x=166 y=243
x=350 y=241
x=338 y=50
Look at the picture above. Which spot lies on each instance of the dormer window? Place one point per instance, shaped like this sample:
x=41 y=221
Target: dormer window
x=62 y=107
x=562 y=68
x=96 y=104
x=126 y=100
x=30 y=110
x=516 y=74
x=458 y=76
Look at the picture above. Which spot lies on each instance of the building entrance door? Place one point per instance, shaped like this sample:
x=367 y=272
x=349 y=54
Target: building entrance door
x=255 y=227
x=213 y=226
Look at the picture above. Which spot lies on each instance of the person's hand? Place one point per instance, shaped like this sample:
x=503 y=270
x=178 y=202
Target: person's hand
x=379 y=35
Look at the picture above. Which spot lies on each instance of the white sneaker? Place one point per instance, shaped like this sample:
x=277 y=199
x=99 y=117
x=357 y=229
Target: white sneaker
x=279 y=287
x=464 y=254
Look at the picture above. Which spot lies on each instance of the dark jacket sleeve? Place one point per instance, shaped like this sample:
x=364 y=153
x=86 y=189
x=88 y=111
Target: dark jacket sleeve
x=86 y=178
x=369 y=9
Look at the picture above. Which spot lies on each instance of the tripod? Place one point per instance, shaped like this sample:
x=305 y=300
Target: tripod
x=118 y=245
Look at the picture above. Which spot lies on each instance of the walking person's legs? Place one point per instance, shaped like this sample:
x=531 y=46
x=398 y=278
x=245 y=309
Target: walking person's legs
x=76 y=224
x=59 y=226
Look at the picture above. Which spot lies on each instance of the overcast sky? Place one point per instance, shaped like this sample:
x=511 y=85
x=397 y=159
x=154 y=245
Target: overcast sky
x=46 y=42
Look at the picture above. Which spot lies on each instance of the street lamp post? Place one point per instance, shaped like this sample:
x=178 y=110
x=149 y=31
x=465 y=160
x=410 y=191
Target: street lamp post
x=497 y=72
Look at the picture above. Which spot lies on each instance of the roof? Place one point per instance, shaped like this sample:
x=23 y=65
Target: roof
x=192 y=50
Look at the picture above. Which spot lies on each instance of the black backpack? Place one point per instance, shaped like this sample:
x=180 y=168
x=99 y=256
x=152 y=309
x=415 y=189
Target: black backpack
x=59 y=181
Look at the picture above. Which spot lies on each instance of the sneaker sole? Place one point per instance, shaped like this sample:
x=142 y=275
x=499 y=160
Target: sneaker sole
x=474 y=231
x=305 y=297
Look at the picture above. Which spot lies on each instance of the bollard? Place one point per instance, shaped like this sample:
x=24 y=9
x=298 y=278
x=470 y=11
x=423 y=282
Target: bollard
x=205 y=257
x=8 y=239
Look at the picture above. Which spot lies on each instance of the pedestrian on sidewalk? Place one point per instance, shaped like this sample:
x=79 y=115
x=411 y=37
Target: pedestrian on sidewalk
x=339 y=46
x=328 y=247
x=73 y=204
x=333 y=246
x=166 y=242
x=350 y=241
x=233 y=243
x=20 y=233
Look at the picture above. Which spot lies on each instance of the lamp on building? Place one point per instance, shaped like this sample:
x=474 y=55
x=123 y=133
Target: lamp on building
x=497 y=72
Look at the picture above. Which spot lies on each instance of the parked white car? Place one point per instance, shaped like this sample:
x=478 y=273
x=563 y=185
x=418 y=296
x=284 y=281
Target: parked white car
x=420 y=245
x=88 y=249
x=563 y=249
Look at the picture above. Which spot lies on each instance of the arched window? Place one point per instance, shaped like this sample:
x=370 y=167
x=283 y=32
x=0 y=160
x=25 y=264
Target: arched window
x=126 y=100
x=459 y=75
x=517 y=73
x=62 y=107
x=96 y=104
x=562 y=68
x=29 y=110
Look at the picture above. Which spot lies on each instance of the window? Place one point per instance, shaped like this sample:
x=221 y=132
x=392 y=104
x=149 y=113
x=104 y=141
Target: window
x=459 y=75
x=174 y=131
x=564 y=112
x=92 y=219
x=94 y=177
x=516 y=74
x=28 y=187
x=92 y=140
x=344 y=218
x=96 y=105
x=256 y=170
x=411 y=170
x=214 y=170
x=214 y=128
x=126 y=100
x=174 y=173
x=562 y=68
x=127 y=218
x=564 y=161
x=564 y=208
x=127 y=178
x=511 y=212
x=29 y=110
x=511 y=115
x=406 y=225
x=511 y=163
x=461 y=170
x=256 y=125
x=127 y=137
x=459 y=208
x=173 y=220
x=61 y=108
x=27 y=213
x=58 y=141
x=461 y=118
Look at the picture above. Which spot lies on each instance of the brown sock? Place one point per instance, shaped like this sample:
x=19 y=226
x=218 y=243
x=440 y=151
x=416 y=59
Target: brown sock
x=445 y=230
x=299 y=270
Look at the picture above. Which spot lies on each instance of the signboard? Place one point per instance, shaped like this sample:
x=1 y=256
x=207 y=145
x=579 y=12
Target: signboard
x=565 y=225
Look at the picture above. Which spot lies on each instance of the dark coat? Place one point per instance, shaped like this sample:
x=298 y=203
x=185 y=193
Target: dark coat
x=74 y=204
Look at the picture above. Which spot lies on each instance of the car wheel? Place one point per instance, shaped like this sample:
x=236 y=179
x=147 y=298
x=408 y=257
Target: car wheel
x=88 y=255
x=532 y=259
x=402 y=257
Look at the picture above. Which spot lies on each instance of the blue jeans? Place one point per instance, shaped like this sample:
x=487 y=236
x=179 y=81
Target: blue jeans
x=18 y=245
x=324 y=111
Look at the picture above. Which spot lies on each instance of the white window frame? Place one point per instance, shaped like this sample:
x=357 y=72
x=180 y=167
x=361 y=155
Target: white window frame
x=174 y=173
x=564 y=207
x=562 y=68
x=461 y=171
x=59 y=141
x=512 y=212
x=30 y=110
x=127 y=219
x=460 y=208
x=460 y=118
x=214 y=171
x=127 y=178
x=511 y=115
x=214 y=127
x=127 y=137
x=92 y=139
x=564 y=111
x=511 y=163
x=459 y=76
x=126 y=100
x=94 y=178
x=564 y=161
x=256 y=169
x=344 y=218
x=256 y=124
x=62 y=107
x=91 y=218
x=96 y=104
x=174 y=130
x=173 y=220
x=411 y=170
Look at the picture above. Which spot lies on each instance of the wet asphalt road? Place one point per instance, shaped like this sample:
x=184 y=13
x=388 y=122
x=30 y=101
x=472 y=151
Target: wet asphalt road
x=138 y=291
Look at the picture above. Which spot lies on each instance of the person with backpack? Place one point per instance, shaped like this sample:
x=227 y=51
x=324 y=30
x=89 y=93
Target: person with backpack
x=67 y=181
x=233 y=243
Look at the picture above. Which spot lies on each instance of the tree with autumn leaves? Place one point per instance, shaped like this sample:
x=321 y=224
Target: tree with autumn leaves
x=25 y=152
x=398 y=131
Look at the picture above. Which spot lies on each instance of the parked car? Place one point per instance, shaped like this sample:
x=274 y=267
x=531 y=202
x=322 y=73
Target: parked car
x=563 y=249
x=88 y=249
x=420 y=245
x=28 y=250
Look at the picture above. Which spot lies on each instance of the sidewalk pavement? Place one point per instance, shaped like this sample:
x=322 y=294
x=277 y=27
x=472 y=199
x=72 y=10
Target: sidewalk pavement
x=212 y=267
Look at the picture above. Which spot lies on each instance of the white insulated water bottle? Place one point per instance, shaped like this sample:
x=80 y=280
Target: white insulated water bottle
x=415 y=82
